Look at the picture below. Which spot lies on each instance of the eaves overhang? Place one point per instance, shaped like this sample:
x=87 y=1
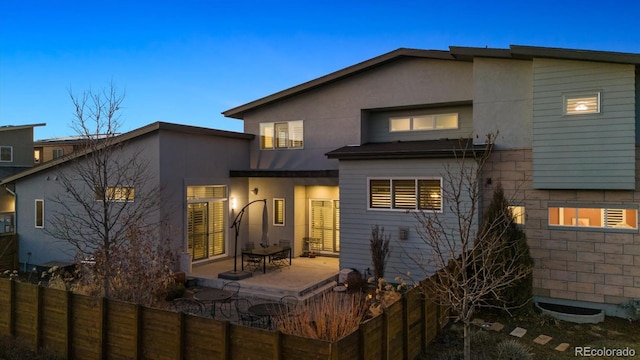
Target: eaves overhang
x=284 y=173
x=443 y=148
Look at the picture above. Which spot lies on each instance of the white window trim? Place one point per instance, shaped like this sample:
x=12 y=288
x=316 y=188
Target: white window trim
x=35 y=213
x=433 y=116
x=577 y=95
x=10 y=148
x=283 y=211
x=391 y=208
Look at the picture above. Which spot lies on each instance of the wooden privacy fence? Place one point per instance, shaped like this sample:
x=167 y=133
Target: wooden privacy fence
x=81 y=327
x=8 y=252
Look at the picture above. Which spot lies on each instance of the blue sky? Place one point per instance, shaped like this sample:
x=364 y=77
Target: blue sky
x=187 y=61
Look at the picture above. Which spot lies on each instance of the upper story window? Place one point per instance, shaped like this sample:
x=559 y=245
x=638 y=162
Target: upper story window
x=57 y=153
x=6 y=153
x=424 y=122
x=594 y=217
x=582 y=103
x=282 y=135
x=116 y=193
x=405 y=194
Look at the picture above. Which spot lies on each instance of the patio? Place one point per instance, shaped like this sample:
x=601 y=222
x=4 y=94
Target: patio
x=304 y=279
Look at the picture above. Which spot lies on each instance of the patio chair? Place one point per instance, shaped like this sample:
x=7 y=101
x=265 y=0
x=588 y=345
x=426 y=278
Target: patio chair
x=247 y=318
x=189 y=306
x=252 y=262
x=233 y=287
x=281 y=259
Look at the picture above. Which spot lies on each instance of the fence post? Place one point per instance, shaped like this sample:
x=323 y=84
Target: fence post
x=69 y=329
x=12 y=307
x=38 y=330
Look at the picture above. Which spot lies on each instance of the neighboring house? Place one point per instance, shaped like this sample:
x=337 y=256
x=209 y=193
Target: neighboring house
x=55 y=148
x=189 y=164
x=16 y=154
x=361 y=146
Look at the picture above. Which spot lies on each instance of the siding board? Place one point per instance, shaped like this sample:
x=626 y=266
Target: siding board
x=571 y=151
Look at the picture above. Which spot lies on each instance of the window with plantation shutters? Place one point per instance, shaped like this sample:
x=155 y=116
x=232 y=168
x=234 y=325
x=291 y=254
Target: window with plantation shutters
x=278 y=212
x=380 y=194
x=430 y=197
x=581 y=103
x=405 y=194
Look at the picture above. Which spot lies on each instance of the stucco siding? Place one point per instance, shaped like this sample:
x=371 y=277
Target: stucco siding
x=357 y=220
x=332 y=113
x=588 y=151
x=502 y=101
x=378 y=125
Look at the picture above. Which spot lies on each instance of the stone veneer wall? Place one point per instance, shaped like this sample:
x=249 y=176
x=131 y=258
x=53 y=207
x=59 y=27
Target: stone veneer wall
x=593 y=266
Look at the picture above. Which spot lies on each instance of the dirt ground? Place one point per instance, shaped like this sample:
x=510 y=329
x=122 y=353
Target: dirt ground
x=612 y=333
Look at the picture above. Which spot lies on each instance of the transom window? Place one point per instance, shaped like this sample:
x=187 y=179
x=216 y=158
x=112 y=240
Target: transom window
x=594 y=217
x=405 y=194
x=582 y=103
x=6 y=153
x=424 y=122
x=282 y=135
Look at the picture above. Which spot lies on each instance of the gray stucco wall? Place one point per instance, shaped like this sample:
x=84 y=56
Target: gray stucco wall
x=22 y=142
x=332 y=113
x=198 y=159
x=502 y=101
x=587 y=151
x=378 y=124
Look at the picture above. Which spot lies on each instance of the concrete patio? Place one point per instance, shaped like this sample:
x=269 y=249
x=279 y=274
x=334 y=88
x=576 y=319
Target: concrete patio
x=305 y=278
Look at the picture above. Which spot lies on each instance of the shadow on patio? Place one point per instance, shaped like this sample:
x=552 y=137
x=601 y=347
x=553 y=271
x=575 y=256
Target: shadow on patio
x=305 y=278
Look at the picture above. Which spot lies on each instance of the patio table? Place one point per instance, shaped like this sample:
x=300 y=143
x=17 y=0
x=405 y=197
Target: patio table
x=213 y=296
x=265 y=253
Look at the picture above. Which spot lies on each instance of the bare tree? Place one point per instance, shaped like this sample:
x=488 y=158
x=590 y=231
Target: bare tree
x=107 y=196
x=470 y=271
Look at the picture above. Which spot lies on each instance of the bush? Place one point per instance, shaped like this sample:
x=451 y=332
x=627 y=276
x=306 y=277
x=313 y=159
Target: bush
x=330 y=317
x=513 y=350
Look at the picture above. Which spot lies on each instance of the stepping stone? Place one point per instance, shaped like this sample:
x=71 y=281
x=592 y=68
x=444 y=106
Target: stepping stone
x=496 y=327
x=477 y=322
x=542 y=339
x=518 y=332
x=562 y=347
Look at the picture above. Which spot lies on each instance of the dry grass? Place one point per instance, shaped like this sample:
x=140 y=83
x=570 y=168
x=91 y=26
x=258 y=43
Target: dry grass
x=329 y=317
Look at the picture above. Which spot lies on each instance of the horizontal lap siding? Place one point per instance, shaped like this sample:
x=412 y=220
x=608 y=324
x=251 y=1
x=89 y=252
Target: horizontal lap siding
x=590 y=151
x=356 y=220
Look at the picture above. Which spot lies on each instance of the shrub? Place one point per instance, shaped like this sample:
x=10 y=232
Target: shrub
x=513 y=350
x=498 y=222
x=379 y=247
x=12 y=348
x=329 y=317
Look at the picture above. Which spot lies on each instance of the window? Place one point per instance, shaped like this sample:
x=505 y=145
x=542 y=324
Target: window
x=518 y=214
x=116 y=193
x=424 y=122
x=36 y=156
x=405 y=194
x=57 y=153
x=594 y=217
x=282 y=135
x=6 y=153
x=278 y=212
x=39 y=213
x=582 y=103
